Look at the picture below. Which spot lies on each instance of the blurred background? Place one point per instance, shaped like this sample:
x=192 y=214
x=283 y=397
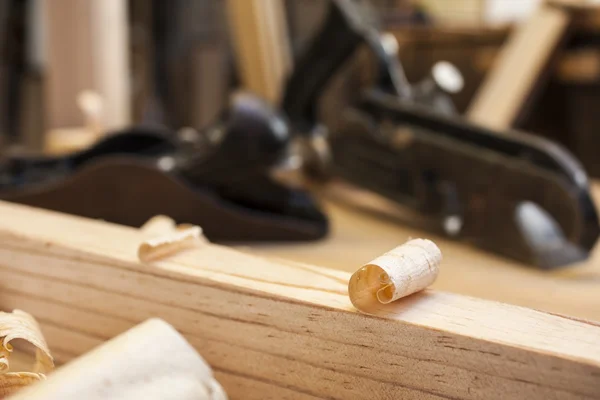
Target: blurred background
x=74 y=72
x=175 y=61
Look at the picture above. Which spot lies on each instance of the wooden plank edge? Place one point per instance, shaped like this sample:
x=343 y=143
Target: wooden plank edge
x=272 y=314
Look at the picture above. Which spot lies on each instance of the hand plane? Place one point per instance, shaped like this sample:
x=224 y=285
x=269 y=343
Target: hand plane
x=218 y=178
x=511 y=193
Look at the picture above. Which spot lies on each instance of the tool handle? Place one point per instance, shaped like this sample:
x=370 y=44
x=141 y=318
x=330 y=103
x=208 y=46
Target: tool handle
x=348 y=24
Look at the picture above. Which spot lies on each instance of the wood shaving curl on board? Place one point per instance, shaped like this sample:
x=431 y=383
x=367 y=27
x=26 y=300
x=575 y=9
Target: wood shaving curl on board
x=20 y=325
x=405 y=270
x=166 y=238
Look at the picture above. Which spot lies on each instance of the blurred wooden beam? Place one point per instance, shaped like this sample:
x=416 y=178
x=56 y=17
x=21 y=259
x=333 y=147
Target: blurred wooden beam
x=520 y=68
x=261 y=43
x=87 y=49
x=573 y=66
x=456 y=12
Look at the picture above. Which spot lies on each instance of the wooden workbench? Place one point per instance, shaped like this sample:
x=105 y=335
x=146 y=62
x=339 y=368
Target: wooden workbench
x=359 y=234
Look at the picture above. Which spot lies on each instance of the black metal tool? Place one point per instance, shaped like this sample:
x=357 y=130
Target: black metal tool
x=517 y=195
x=513 y=194
x=218 y=179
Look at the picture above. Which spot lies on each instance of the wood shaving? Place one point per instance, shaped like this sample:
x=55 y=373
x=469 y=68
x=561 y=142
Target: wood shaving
x=158 y=225
x=151 y=361
x=20 y=325
x=185 y=237
x=400 y=272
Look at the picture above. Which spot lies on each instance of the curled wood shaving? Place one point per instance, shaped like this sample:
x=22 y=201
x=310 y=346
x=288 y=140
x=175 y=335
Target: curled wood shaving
x=20 y=325
x=158 y=225
x=400 y=272
x=162 y=225
x=151 y=361
x=185 y=237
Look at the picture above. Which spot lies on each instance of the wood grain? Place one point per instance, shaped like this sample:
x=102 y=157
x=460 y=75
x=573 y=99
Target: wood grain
x=275 y=329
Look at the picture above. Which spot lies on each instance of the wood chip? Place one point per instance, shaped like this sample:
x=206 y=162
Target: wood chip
x=400 y=272
x=20 y=325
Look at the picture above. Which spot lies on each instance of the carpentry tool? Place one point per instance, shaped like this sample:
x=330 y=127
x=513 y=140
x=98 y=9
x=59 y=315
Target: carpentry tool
x=217 y=179
x=517 y=195
x=514 y=194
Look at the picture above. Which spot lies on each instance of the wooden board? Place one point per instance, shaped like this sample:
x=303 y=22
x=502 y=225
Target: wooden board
x=364 y=227
x=274 y=329
x=520 y=69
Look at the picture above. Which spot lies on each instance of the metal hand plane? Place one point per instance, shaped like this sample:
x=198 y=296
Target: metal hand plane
x=511 y=193
x=218 y=179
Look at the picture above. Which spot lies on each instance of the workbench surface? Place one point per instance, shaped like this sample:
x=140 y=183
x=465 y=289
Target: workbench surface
x=359 y=235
